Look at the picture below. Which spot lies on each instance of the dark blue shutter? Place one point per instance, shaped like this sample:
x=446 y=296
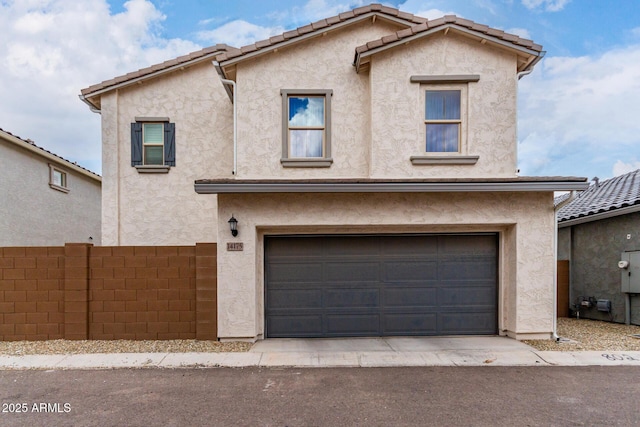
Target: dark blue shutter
x=136 y=144
x=170 y=144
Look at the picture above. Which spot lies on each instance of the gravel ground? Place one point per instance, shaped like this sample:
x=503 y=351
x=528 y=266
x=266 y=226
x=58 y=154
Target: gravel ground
x=17 y=348
x=582 y=335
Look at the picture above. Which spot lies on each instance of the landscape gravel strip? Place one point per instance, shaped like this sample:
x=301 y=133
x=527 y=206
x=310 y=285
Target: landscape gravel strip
x=18 y=348
x=577 y=334
x=591 y=335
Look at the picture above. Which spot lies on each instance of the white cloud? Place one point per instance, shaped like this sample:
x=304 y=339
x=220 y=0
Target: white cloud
x=433 y=13
x=418 y=7
x=50 y=49
x=238 y=33
x=548 y=5
x=580 y=112
x=620 y=167
x=520 y=32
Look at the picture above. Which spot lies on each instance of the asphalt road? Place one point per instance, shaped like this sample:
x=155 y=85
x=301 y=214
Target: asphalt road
x=447 y=396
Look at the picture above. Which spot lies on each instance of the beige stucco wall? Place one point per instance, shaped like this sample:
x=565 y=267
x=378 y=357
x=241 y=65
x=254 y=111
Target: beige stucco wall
x=525 y=222
x=34 y=214
x=398 y=107
x=164 y=209
x=321 y=63
x=378 y=114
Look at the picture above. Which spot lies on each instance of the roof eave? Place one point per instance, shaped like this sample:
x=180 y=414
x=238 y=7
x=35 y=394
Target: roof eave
x=87 y=96
x=598 y=216
x=386 y=187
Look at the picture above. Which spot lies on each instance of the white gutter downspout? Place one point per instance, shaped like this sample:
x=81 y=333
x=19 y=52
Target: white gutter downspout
x=235 y=120
x=562 y=204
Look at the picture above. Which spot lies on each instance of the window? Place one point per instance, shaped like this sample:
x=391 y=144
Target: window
x=306 y=128
x=153 y=144
x=58 y=179
x=442 y=121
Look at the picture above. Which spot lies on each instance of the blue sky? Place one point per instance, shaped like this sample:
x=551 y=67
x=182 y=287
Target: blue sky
x=577 y=111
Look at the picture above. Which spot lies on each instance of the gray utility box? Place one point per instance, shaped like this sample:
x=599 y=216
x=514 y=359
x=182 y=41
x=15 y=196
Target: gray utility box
x=630 y=272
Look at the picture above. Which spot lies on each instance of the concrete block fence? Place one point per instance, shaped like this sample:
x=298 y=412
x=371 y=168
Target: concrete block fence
x=80 y=292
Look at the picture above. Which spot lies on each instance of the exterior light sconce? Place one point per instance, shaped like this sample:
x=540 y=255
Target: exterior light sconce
x=233 y=225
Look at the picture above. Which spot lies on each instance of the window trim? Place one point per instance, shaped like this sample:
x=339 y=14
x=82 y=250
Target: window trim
x=459 y=82
x=65 y=178
x=306 y=162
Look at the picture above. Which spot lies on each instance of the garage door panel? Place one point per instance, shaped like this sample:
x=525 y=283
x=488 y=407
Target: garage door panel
x=342 y=246
x=466 y=323
x=351 y=271
x=409 y=246
x=353 y=325
x=295 y=272
x=467 y=296
x=294 y=298
x=410 y=270
x=295 y=326
x=410 y=324
x=477 y=269
x=353 y=298
x=300 y=247
x=410 y=297
x=467 y=244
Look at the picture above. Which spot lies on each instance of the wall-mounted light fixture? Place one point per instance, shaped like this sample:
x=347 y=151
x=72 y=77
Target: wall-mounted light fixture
x=233 y=225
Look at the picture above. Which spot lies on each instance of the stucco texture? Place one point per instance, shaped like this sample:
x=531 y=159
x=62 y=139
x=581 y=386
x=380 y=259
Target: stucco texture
x=164 y=209
x=488 y=127
x=378 y=116
x=34 y=214
x=524 y=221
x=321 y=63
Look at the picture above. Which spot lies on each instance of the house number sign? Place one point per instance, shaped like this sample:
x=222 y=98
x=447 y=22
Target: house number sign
x=235 y=246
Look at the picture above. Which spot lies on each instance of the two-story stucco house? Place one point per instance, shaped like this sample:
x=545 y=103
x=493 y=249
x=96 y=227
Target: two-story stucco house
x=369 y=160
x=45 y=200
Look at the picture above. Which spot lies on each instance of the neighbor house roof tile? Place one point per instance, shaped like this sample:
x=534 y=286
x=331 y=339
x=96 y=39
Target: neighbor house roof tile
x=62 y=159
x=610 y=195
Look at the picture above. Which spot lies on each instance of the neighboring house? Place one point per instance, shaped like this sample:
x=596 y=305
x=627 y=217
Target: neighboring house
x=46 y=200
x=596 y=230
x=372 y=174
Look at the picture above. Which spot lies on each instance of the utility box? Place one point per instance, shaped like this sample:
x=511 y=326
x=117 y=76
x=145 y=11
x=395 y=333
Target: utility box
x=630 y=272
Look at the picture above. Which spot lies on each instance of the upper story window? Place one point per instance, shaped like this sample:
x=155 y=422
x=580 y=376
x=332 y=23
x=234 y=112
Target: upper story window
x=306 y=128
x=443 y=121
x=153 y=144
x=58 y=179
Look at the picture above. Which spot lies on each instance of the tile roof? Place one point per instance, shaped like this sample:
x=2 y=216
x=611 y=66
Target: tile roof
x=323 y=25
x=606 y=196
x=447 y=21
x=181 y=60
x=62 y=159
x=415 y=25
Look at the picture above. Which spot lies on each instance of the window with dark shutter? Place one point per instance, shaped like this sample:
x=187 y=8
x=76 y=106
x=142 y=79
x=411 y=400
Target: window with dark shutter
x=153 y=144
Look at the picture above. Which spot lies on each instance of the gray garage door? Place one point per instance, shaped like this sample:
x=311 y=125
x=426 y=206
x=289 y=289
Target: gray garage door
x=347 y=286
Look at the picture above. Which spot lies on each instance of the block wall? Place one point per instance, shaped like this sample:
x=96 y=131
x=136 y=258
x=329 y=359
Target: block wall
x=123 y=292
